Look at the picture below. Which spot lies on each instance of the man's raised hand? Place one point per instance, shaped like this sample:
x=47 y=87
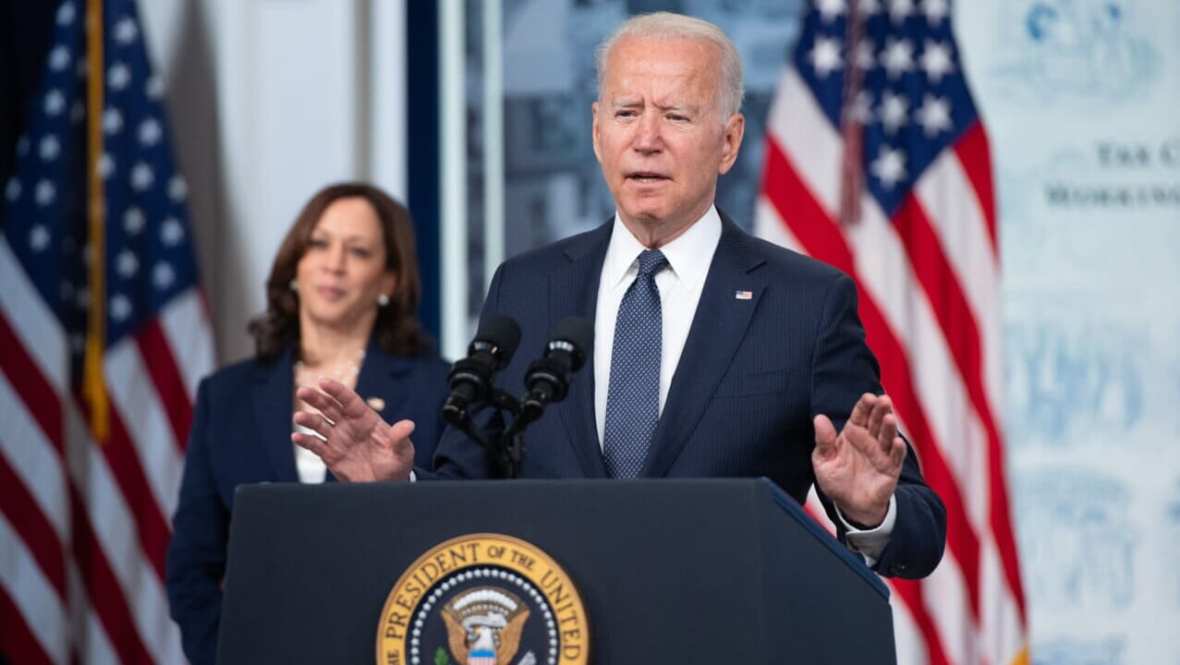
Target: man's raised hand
x=356 y=444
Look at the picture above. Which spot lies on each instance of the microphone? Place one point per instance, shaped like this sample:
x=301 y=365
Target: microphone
x=470 y=379
x=548 y=378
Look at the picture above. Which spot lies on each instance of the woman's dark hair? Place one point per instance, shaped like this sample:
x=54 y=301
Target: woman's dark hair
x=397 y=328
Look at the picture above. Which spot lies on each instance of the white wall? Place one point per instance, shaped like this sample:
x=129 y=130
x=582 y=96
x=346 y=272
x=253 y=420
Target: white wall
x=269 y=101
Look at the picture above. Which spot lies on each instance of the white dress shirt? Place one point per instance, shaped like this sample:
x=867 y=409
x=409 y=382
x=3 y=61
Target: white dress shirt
x=310 y=466
x=680 y=285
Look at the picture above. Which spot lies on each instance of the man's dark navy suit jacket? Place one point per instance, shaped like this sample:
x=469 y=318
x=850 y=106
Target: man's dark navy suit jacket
x=753 y=373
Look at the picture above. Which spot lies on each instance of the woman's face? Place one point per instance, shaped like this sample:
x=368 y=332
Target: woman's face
x=342 y=272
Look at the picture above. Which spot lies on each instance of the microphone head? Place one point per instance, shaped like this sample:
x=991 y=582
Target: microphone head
x=498 y=336
x=574 y=335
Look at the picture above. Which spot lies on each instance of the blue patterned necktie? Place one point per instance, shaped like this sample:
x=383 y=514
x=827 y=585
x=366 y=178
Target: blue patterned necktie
x=633 y=397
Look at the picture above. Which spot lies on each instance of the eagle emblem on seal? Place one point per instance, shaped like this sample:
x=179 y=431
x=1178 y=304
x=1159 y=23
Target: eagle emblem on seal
x=484 y=625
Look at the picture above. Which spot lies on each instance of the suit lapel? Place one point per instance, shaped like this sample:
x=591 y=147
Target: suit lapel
x=728 y=300
x=573 y=291
x=382 y=383
x=274 y=393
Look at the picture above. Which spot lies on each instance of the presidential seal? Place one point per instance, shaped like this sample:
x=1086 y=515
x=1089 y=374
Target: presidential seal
x=483 y=599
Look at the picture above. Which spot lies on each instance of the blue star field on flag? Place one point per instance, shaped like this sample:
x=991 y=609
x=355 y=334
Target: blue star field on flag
x=913 y=102
x=149 y=253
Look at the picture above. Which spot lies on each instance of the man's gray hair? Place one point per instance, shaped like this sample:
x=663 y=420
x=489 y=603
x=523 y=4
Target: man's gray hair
x=666 y=25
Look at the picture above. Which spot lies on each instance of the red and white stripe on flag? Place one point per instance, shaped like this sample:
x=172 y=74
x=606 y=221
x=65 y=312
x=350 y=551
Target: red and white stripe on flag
x=921 y=246
x=84 y=526
x=85 y=523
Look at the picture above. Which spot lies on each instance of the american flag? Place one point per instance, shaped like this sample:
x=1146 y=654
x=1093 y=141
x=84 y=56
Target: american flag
x=877 y=163
x=103 y=337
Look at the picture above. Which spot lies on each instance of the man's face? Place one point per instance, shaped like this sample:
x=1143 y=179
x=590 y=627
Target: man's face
x=659 y=134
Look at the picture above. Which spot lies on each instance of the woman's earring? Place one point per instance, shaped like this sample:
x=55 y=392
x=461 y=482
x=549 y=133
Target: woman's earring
x=382 y=300
x=294 y=285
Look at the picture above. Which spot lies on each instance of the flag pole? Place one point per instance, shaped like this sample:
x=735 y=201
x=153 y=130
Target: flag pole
x=851 y=126
x=93 y=381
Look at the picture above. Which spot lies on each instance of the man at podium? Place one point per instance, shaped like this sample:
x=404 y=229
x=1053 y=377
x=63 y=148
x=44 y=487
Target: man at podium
x=715 y=354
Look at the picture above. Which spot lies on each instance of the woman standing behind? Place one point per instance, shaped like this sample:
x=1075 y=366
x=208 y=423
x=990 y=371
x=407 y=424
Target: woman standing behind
x=342 y=298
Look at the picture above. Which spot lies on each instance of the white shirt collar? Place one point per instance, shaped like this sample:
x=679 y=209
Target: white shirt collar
x=688 y=255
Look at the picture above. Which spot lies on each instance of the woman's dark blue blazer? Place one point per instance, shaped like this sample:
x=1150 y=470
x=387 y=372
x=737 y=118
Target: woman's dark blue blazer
x=241 y=433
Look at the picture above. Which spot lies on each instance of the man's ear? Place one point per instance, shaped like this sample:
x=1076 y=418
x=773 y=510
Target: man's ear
x=594 y=130
x=735 y=128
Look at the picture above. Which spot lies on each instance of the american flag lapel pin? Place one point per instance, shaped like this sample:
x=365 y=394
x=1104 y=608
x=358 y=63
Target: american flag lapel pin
x=744 y=295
